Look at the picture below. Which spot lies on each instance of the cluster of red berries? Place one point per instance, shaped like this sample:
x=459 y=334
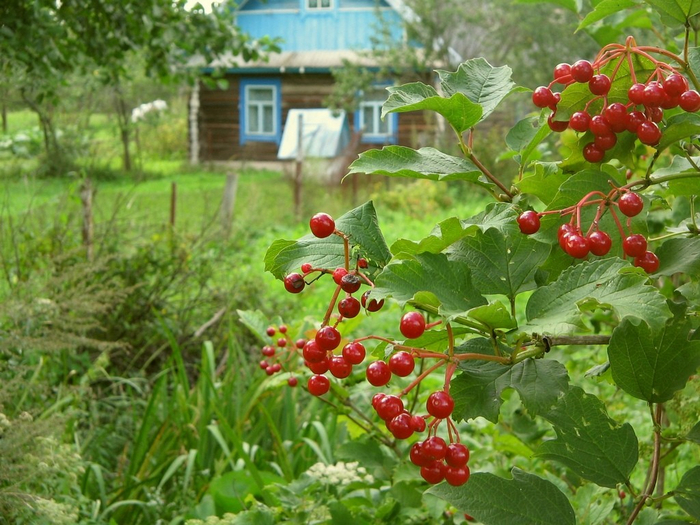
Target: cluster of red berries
x=273 y=362
x=578 y=244
x=438 y=460
x=639 y=113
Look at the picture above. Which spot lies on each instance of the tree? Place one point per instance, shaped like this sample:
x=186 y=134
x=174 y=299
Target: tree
x=44 y=42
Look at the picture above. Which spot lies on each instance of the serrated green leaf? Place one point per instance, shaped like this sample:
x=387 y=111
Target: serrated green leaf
x=501 y=264
x=679 y=10
x=494 y=315
x=609 y=283
x=653 y=366
x=480 y=82
x=545 y=182
x=430 y=279
x=458 y=110
x=496 y=215
x=526 y=500
x=687 y=493
x=425 y=163
x=694 y=434
x=525 y=136
x=361 y=227
x=679 y=256
x=605 y=9
x=588 y=441
x=689 y=184
x=679 y=127
x=477 y=390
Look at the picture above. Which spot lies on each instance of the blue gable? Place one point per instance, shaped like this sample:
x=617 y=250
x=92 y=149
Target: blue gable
x=345 y=24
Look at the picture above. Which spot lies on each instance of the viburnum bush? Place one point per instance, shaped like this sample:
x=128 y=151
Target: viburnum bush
x=599 y=250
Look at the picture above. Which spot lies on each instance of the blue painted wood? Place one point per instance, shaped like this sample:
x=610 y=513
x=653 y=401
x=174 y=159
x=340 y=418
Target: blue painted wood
x=348 y=24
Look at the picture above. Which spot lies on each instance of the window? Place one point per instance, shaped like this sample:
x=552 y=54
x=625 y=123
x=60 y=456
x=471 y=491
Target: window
x=368 y=118
x=260 y=114
x=319 y=4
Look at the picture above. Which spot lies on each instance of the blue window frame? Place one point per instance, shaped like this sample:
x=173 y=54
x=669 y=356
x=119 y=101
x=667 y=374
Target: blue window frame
x=260 y=110
x=368 y=118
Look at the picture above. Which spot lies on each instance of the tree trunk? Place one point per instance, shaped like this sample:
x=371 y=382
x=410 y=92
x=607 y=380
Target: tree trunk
x=123 y=118
x=53 y=150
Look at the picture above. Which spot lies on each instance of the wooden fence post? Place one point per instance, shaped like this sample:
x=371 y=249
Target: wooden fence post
x=86 y=195
x=229 y=201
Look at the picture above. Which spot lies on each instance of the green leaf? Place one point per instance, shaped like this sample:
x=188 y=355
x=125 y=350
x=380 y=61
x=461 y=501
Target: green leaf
x=257 y=516
x=694 y=434
x=494 y=315
x=361 y=227
x=525 y=500
x=679 y=10
x=694 y=60
x=571 y=5
x=608 y=283
x=430 y=279
x=679 y=256
x=588 y=441
x=458 y=110
x=496 y=215
x=679 y=127
x=480 y=82
x=653 y=366
x=501 y=264
x=477 y=390
x=687 y=493
x=425 y=163
x=605 y=9
x=545 y=182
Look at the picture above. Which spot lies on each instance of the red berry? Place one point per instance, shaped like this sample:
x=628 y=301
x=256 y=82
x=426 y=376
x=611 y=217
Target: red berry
x=616 y=115
x=276 y=368
x=376 y=399
x=649 y=133
x=634 y=119
x=600 y=126
x=400 y=426
x=300 y=343
x=282 y=342
x=557 y=125
x=605 y=142
x=689 y=101
x=372 y=305
x=593 y=153
x=328 y=338
x=675 y=85
x=269 y=370
x=655 y=114
x=412 y=325
x=599 y=242
x=434 y=472
x=416 y=455
x=670 y=102
x=318 y=385
x=542 y=97
x=634 y=245
x=292 y=381
x=283 y=328
x=362 y=263
x=457 y=476
x=354 y=353
x=418 y=423
x=339 y=367
x=322 y=225
x=582 y=71
x=599 y=84
x=350 y=283
x=440 y=404
x=389 y=407
x=264 y=364
x=434 y=448
x=378 y=373
x=457 y=455
x=653 y=94
x=268 y=351
x=565 y=229
x=294 y=283
x=312 y=352
x=561 y=71
x=306 y=267
x=320 y=367
x=649 y=262
x=630 y=204
x=576 y=245
x=270 y=331
x=402 y=364
x=349 y=307
x=636 y=93
x=529 y=222
x=580 y=121
x=338 y=275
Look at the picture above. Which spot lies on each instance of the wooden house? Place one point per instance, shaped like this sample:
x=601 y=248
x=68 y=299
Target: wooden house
x=246 y=120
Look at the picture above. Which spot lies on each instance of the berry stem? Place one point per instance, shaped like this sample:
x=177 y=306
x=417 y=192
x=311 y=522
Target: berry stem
x=449 y=372
x=617 y=222
x=331 y=306
x=425 y=373
x=470 y=356
x=477 y=327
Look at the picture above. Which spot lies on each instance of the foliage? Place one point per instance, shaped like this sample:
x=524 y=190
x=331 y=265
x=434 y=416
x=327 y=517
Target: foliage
x=508 y=292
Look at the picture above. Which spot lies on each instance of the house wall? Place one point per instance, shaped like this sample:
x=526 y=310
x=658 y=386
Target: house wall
x=220 y=125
